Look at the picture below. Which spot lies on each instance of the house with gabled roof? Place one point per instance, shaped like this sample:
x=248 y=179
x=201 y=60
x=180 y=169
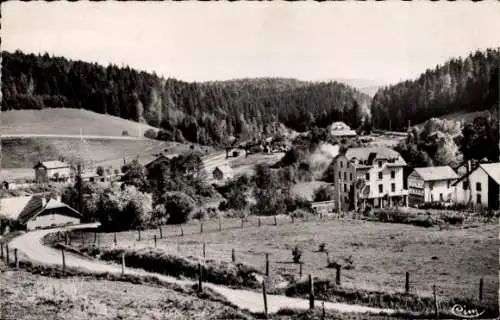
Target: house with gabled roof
x=431 y=184
x=53 y=170
x=480 y=187
x=39 y=211
x=372 y=175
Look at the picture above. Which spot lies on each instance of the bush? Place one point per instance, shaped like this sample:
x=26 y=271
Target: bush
x=124 y=133
x=150 y=134
x=322 y=247
x=200 y=214
x=299 y=213
x=179 y=205
x=323 y=193
x=297 y=254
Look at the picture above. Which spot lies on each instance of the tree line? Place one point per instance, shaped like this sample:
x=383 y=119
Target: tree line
x=204 y=112
x=469 y=84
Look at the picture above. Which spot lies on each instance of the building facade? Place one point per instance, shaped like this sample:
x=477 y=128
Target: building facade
x=480 y=187
x=369 y=176
x=431 y=184
x=53 y=171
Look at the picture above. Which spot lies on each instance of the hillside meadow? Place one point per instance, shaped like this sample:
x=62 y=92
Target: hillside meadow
x=453 y=259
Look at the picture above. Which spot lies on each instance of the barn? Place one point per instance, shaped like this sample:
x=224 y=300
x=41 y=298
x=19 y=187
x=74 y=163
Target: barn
x=39 y=211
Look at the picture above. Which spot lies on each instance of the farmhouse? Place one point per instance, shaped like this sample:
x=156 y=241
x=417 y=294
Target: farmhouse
x=341 y=130
x=223 y=172
x=323 y=207
x=39 y=211
x=431 y=184
x=480 y=186
x=373 y=175
x=53 y=170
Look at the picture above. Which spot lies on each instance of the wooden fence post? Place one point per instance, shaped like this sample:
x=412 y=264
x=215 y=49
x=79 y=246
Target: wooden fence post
x=264 y=294
x=63 y=260
x=242 y=221
x=155 y=240
x=407 y=282
x=16 y=261
x=293 y=219
x=182 y=232
x=204 y=252
x=200 y=280
x=481 y=283
x=123 y=263
x=7 y=253
x=95 y=237
x=201 y=227
x=69 y=239
x=300 y=271
x=83 y=238
x=1 y=251
x=436 y=310
x=337 y=277
x=323 y=314
x=267 y=264
x=260 y=223
x=139 y=230
x=311 y=292
x=220 y=223
x=233 y=256
x=161 y=232
x=115 y=240
x=327 y=258
x=275 y=221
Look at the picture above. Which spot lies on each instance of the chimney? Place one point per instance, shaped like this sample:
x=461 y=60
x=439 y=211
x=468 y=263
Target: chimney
x=44 y=201
x=469 y=165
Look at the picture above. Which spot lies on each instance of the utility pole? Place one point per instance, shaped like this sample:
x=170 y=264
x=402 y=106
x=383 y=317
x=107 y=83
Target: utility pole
x=80 y=187
x=339 y=183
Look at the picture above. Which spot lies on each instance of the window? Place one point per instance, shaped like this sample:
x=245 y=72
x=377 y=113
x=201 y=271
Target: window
x=431 y=186
x=380 y=164
x=432 y=197
x=350 y=176
x=393 y=187
x=465 y=185
x=393 y=174
x=340 y=175
x=380 y=188
x=478 y=186
x=380 y=175
x=341 y=164
x=478 y=199
x=367 y=176
x=345 y=175
x=441 y=197
x=345 y=187
x=448 y=184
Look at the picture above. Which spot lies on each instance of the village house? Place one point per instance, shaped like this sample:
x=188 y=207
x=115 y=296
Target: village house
x=431 y=184
x=39 y=211
x=341 y=130
x=480 y=187
x=323 y=207
x=223 y=172
x=53 y=171
x=372 y=175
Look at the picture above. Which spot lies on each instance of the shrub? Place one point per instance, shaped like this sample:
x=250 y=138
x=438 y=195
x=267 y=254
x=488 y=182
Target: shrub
x=297 y=254
x=150 y=134
x=124 y=133
x=323 y=193
x=322 y=247
x=200 y=214
x=179 y=205
x=299 y=213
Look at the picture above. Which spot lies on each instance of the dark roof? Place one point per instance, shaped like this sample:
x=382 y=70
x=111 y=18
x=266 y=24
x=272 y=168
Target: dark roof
x=436 y=173
x=374 y=153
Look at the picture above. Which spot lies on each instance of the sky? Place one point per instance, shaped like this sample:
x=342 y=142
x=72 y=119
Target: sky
x=380 y=42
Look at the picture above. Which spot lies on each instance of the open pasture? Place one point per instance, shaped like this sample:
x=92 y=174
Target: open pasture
x=453 y=259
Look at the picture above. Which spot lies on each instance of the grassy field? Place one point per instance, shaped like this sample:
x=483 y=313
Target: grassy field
x=457 y=116
x=453 y=259
x=306 y=189
x=20 y=154
x=30 y=296
x=68 y=121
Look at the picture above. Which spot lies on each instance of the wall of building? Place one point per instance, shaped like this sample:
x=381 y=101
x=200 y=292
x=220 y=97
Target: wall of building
x=50 y=219
x=462 y=195
x=440 y=188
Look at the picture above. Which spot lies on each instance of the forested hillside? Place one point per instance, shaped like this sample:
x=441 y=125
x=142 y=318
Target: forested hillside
x=469 y=84
x=206 y=112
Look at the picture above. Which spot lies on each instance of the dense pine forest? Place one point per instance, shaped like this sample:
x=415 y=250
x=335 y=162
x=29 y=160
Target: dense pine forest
x=207 y=112
x=469 y=84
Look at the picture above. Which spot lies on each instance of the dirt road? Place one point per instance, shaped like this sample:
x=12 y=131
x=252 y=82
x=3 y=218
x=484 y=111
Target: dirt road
x=30 y=245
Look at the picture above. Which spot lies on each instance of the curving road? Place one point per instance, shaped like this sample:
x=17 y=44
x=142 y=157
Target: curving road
x=30 y=244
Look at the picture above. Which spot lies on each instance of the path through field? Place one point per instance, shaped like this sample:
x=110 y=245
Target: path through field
x=30 y=245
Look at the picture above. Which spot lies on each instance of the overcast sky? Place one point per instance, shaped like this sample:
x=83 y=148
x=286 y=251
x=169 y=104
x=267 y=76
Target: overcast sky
x=380 y=41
